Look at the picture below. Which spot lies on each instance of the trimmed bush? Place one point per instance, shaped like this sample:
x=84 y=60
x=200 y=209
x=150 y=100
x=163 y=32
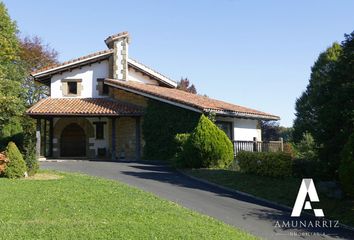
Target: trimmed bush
x=346 y=168
x=271 y=164
x=16 y=167
x=29 y=145
x=161 y=124
x=31 y=159
x=207 y=146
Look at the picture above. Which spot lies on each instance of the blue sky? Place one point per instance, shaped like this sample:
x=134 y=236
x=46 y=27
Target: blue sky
x=252 y=53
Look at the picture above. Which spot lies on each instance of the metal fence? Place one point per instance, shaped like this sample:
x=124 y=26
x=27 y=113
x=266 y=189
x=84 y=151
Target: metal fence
x=258 y=146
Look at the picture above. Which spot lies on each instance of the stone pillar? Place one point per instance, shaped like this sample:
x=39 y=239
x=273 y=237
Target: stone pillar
x=51 y=135
x=38 y=138
x=113 y=147
x=137 y=139
x=44 y=134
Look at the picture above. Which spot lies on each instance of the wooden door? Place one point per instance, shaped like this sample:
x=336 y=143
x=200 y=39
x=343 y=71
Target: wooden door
x=73 y=141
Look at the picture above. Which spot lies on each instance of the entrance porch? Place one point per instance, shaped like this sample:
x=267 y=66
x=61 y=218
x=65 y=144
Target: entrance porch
x=87 y=129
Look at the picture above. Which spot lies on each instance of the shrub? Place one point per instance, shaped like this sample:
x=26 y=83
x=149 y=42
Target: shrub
x=180 y=140
x=306 y=162
x=346 y=168
x=29 y=146
x=290 y=149
x=306 y=148
x=161 y=124
x=271 y=164
x=207 y=146
x=16 y=167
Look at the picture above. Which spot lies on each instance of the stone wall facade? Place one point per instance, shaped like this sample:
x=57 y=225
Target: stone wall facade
x=128 y=97
x=59 y=126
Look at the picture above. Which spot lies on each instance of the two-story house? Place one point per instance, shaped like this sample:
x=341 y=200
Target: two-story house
x=96 y=105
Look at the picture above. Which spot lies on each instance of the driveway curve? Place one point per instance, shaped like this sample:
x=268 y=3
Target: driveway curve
x=244 y=212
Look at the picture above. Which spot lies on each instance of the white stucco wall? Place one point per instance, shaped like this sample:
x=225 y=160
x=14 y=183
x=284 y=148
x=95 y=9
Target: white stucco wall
x=137 y=76
x=88 y=74
x=100 y=143
x=243 y=129
x=246 y=130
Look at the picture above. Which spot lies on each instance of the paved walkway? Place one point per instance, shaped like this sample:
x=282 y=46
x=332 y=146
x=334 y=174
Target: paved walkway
x=243 y=212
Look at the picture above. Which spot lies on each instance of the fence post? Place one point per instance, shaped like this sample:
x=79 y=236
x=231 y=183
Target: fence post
x=254 y=144
x=281 y=144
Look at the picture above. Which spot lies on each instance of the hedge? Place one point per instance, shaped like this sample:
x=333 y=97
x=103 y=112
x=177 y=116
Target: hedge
x=207 y=146
x=271 y=164
x=162 y=122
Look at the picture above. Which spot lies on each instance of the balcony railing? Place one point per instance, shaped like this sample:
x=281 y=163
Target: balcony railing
x=258 y=146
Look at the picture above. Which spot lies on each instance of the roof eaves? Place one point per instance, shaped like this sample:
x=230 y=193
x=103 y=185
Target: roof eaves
x=70 y=63
x=149 y=70
x=242 y=114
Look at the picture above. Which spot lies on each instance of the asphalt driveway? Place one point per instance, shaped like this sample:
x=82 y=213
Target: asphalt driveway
x=244 y=212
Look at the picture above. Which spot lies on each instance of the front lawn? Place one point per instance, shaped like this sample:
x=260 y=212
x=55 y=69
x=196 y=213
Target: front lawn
x=82 y=207
x=283 y=191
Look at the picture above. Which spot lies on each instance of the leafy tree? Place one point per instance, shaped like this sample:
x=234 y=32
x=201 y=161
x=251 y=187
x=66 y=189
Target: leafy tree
x=346 y=168
x=270 y=130
x=184 y=85
x=35 y=55
x=307 y=106
x=306 y=148
x=11 y=73
x=326 y=108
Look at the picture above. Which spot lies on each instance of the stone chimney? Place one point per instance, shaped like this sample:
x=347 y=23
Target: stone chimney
x=119 y=43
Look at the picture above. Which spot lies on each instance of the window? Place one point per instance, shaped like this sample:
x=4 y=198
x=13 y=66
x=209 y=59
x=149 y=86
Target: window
x=72 y=88
x=99 y=130
x=105 y=89
x=226 y=127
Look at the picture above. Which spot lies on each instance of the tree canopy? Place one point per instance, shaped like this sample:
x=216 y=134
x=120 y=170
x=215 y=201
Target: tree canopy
x=184 y=85
x=35 y=55
x=11 y=71
x=326 y=108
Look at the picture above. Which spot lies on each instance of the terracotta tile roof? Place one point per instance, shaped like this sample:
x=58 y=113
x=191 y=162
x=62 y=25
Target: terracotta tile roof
x=83 y=107
x=92 y=55
x=199 y=102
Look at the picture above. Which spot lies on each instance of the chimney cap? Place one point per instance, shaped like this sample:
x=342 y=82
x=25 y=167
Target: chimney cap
x=109 y=40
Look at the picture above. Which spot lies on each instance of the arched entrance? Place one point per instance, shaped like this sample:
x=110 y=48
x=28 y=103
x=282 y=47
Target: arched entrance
x=73 y=141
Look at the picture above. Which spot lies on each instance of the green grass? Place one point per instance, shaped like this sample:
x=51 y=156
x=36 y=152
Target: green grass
x=283 y=191
x=82 y=207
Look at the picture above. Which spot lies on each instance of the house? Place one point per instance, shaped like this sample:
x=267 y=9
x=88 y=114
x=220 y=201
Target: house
x=97 y=102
